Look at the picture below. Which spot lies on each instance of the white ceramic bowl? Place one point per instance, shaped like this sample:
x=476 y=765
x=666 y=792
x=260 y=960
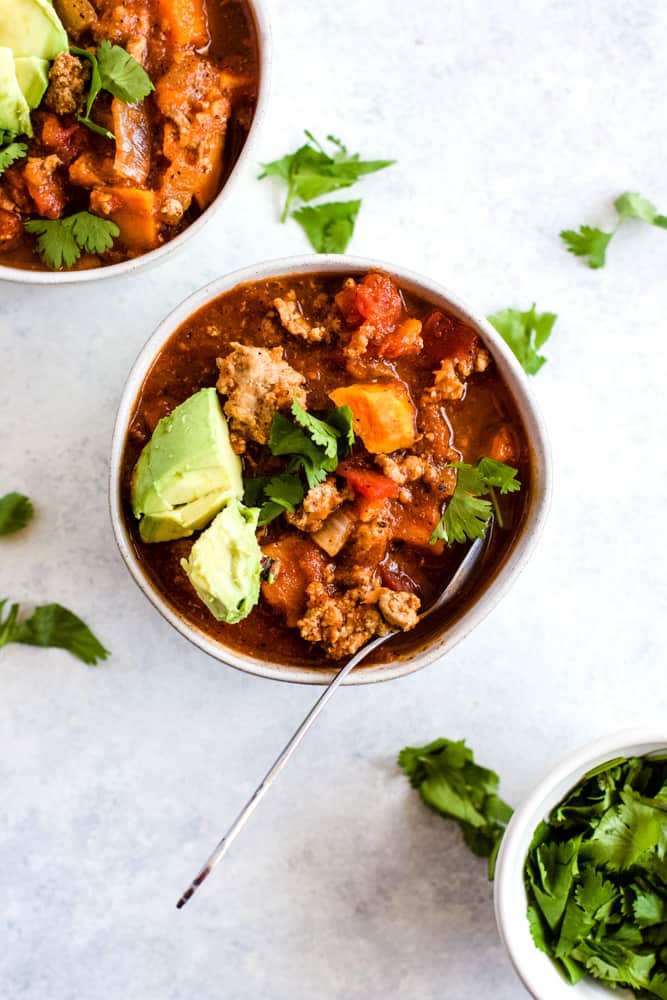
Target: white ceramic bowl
x=535 y=969
x=420 y=655
x=246 y=159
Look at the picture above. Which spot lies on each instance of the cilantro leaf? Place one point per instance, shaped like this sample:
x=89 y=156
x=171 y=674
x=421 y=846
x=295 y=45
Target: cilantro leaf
x=121 y=74
x=467 y=515
x=330 y=226
x=55 y=626
x=525 y=333
x=61 y=241
x=311 y=172
x=317 y=445
x=625 y=832
x=15 y=512
x=273 y=495
x=592 y=243
x=453 y=785
x=11 y=152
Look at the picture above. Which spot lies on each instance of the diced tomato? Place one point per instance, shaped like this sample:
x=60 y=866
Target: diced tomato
x=405 y=339
x=45 y=185
x=63 y=136
x=369 y=484
x=446 y=338
x=395 y=578
x=375 y=299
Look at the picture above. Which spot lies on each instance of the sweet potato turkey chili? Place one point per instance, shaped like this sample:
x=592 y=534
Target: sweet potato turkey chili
x=125 y=119
x=374 y=436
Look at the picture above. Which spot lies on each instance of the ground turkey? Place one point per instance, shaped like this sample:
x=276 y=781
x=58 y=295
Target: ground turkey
x=67 y=85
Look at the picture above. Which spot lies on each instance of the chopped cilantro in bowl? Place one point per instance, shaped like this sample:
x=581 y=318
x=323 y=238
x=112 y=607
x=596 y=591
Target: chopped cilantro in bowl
x=581 y=878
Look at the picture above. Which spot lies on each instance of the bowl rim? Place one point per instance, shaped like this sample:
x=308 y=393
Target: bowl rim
x=533 y=967
x=21 y=276
x=517 y=383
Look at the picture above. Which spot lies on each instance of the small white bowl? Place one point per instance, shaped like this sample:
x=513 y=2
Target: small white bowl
x=434 y=647
x=535 y=969
x=246 y=157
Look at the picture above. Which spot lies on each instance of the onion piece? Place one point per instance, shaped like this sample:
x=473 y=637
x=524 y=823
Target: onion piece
x=335 y=531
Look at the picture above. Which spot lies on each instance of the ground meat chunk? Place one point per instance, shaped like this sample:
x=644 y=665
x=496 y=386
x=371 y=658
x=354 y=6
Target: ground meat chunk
x=402 y=470
x=399 y=608
x=67 y=85
x=319 y=502
x=341 y=623
x=257 y=382
x=449 y=380
x=295 y=322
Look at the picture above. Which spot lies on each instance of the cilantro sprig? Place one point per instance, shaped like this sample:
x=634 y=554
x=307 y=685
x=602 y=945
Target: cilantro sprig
x=62 y=241
x=311 y=172
x=468 y=512
x=115 y=70
x=454 y=786
x=10 y=151
x=591 y=242
x=16 y=511
x=51 y=625
x=596 y=878
x=525 y=333
x=273 y=495
x=314 y=442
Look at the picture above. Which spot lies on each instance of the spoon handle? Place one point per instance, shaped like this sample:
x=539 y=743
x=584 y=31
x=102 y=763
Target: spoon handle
x=275 y=769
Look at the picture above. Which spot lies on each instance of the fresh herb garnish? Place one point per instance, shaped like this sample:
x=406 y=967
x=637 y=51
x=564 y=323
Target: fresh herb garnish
x=15 y=512
x=273 y=495
x=62 y=241
x=453 y=785
x=329 y=227
x=10 y=151
x=316 y=442
x=525 y=333
x=51 y=625
x=596 y=878
x=311 y=172
x=467 y=514
x=590 y=242
x=115 y=70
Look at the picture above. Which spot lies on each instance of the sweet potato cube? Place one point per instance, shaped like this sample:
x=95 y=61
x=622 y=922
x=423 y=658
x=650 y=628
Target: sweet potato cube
x=185 y=22
x=384 y=417
x=133 y=210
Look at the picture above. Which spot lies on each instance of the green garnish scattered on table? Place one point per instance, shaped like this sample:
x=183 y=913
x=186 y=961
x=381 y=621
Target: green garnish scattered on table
x=468 y=512
x=596 y=878
x=51 y=625
x=311 y=172
x=15 y=511
x=62 y=241
x=525 y=333
x=453 y=785
x=590 y=242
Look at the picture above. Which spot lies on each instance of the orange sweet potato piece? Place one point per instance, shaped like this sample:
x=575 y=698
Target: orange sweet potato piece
x=184 y=22
x=384 y=417
x=298 y=562
x=133 y=210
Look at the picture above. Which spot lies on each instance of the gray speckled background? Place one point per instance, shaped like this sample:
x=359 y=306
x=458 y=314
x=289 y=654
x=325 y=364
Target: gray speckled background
x=509 y=122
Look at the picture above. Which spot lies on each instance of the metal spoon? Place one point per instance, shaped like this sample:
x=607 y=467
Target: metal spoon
x=452 y=590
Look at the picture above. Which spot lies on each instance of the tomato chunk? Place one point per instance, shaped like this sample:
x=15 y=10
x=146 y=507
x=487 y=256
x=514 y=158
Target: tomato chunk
x=376 y=299
x=369 y=484
x=445 y=338
x=405 y=339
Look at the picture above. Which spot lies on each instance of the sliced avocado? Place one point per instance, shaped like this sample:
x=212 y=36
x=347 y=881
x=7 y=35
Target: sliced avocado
x=14 y=110
x=33 y=78
x=224 y=563
x=188 y=459
x=31 y=28
x=183 y=520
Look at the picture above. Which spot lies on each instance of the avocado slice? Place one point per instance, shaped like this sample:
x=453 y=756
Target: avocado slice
x=31 y=28
x=14 y=110
x=224 y=563
x=187 y=471
x=32 y=75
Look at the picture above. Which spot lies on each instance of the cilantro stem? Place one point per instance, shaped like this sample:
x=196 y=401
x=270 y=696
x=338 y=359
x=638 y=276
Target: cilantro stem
x=496 y=506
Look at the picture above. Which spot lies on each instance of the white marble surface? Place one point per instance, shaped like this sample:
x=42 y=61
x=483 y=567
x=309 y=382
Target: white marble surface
x=509 y=122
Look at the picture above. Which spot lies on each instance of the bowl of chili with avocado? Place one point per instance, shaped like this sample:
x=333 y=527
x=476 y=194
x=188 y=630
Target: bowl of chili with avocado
x=133 y=121
x=369 y=425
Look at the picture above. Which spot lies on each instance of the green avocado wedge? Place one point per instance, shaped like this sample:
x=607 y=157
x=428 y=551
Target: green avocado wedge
x=224 y=563
x=14 y=110
x=31 y=28
x=187 y=472
x=32 y=75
